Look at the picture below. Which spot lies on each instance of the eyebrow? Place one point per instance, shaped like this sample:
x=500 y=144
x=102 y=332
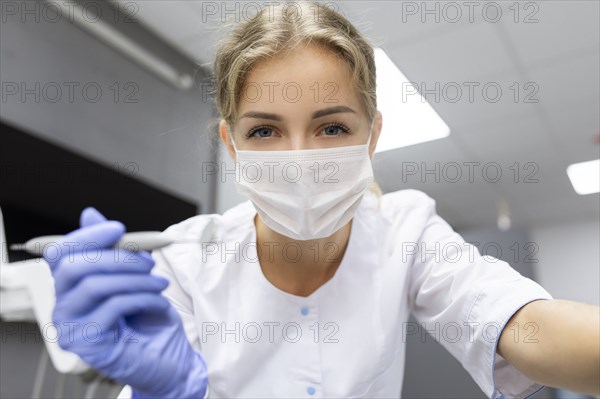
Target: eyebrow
x=315 y=115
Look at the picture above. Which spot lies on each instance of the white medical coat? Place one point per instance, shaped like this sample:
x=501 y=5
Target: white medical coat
x=347 y=339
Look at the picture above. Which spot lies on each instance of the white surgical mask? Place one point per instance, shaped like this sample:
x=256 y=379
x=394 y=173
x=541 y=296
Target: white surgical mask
x=305 y=194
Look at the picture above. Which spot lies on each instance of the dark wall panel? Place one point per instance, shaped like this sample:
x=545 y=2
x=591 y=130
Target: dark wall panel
x=44 y=188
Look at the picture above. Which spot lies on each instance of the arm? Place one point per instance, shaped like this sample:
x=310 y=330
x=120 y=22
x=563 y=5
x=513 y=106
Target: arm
x=478 y=293
x=563 y=352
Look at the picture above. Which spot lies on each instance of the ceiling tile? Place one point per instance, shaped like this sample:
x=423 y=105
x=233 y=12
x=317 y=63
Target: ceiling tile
x=511 y=140
x=576 y=129
x=474 y=205
x=173 y=20
x=567 y=207
x=568 y=81
x=460 y=55
x=563 y=27
x=410 y=22
x=485 y=101
x=408 y=167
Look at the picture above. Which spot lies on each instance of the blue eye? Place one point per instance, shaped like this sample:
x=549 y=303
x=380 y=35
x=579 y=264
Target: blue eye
x=260 y=132
x=335 y=127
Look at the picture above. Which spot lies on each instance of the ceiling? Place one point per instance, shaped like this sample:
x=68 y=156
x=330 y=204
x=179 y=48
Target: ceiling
x=550 y=50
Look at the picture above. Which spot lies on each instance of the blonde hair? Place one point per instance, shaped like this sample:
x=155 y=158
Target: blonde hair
x=279 y=29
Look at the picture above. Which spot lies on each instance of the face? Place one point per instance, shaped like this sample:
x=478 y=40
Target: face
x=301 y=100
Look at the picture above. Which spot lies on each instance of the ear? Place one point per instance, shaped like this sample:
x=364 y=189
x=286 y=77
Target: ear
x=377 y=125
x=225 y=134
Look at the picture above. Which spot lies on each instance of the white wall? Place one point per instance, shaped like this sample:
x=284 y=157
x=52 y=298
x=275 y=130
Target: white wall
x=569 y=260
x=162 y=130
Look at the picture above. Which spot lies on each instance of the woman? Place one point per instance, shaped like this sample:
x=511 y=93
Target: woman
x=305 y=289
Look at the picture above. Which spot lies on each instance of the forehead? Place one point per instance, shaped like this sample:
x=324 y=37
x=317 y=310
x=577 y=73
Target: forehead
x=305 y=78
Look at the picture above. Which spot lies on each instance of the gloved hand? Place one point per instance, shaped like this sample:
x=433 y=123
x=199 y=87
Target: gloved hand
x=110 y=311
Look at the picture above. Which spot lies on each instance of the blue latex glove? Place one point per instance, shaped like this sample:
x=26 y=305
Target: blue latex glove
x=109 y=310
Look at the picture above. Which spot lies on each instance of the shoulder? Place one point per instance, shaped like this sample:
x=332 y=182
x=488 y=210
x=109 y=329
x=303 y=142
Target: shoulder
x=407 y=197
x=401 y=215
x=198 y=243
x=402 y=203
x=212 y=227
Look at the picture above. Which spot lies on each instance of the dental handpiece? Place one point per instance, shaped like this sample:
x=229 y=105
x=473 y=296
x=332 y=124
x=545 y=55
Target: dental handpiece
x=134 y=241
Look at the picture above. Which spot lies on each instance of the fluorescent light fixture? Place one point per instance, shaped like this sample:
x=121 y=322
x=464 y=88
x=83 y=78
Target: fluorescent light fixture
x=407 y=117
x=585 y=176
x=126 y=46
